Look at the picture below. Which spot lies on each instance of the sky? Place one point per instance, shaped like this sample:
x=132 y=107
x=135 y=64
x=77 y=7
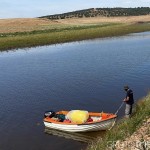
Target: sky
x=37 y=8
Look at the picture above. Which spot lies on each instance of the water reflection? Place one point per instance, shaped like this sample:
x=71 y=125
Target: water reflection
x=82 y=137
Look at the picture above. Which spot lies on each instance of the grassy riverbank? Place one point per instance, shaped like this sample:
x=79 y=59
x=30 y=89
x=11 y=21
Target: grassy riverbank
x=68 y=33
x=125 y=128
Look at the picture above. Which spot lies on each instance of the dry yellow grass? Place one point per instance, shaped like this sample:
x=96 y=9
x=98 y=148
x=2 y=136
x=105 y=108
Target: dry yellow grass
x=25 y=24
x=129 y=19
x=30 y=24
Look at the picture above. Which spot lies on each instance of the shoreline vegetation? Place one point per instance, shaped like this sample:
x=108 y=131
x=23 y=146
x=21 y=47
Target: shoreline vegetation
x=130 y=133
x=19 y=33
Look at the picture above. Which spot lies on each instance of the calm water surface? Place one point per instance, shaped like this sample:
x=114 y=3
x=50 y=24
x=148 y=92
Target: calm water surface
x=81 y=75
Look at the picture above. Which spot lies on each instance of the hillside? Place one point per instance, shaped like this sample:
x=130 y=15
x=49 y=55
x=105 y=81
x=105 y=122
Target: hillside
x=105 y=12
x=36 y=24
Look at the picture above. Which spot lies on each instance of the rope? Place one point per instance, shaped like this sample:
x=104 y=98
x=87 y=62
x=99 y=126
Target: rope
x=116 y=114
x=112 y=125
x=119 y=108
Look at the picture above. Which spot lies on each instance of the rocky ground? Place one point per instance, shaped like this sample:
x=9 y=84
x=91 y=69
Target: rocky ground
x=140 y=140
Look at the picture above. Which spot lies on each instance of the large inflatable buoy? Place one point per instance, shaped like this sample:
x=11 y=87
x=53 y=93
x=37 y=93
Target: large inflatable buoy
x=77 y=116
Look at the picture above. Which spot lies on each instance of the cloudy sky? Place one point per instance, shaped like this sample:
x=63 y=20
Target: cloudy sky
x=36 y=8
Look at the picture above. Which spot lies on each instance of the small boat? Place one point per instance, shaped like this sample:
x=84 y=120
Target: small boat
x=100 y=121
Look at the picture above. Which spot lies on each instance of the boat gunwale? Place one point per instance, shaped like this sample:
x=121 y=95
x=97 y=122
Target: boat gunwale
x=111 y=116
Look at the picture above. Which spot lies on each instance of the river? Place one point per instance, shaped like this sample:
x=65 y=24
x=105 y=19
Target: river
x=87 y=75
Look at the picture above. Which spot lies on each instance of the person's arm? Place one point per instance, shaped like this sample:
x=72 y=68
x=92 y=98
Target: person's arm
x=126 y=99
x=127 y=96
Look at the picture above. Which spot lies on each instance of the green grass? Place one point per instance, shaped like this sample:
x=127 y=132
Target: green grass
x=67 y=34
x=59 y=28
x=125 y=127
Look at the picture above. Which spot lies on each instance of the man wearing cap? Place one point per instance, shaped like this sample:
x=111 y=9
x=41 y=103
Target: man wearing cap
x=129 y=100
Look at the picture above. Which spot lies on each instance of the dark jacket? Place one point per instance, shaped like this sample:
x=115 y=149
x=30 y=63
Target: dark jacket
x=130 y=95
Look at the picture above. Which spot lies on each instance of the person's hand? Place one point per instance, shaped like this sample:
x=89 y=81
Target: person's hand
x=124 y=100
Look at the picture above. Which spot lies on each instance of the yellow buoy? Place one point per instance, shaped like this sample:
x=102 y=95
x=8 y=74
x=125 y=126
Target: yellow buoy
x=78 y=116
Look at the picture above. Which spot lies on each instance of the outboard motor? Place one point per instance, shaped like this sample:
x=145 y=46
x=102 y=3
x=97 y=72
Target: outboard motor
x=49 y=114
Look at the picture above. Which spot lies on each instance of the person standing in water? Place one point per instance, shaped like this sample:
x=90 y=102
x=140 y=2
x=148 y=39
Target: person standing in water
x=129 y=100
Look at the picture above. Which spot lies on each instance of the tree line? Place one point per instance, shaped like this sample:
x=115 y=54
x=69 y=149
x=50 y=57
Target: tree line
x=105 y=12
